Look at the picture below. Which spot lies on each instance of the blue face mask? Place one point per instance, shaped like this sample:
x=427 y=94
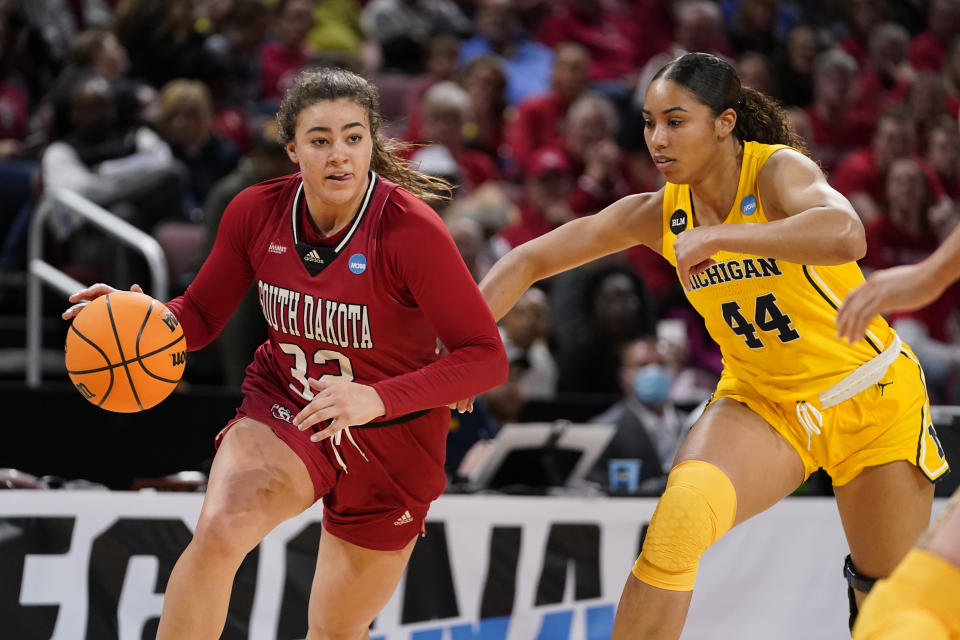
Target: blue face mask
x=651 y=384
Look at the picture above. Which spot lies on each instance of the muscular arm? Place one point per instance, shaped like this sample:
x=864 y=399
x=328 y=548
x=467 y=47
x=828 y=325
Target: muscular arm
x=809 y=221
x=635 y=219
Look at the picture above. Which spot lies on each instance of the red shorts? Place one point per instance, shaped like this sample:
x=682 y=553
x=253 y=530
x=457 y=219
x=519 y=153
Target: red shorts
x=379 y=503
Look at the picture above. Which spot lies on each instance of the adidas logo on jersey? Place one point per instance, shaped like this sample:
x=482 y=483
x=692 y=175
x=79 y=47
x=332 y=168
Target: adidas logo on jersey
x=406 y=518
x=313 y=256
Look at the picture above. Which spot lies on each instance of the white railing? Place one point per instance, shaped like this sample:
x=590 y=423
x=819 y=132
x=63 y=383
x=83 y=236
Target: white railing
x=40 y=272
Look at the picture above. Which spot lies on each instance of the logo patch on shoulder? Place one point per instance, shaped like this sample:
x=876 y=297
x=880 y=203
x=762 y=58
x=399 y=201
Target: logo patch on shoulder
x=357 y=263
x=748 y=205
x=678 y=221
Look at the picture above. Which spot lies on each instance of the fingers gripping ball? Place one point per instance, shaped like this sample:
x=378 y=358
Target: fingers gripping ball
x=125 y=352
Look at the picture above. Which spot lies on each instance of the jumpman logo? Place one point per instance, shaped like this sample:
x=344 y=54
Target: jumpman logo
x=883 y=385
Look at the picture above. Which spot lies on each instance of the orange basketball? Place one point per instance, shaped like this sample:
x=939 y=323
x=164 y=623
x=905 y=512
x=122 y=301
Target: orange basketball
x=125 y=352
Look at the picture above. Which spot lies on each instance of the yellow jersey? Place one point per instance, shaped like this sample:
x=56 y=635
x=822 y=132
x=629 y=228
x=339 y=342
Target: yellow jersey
x=775 y=321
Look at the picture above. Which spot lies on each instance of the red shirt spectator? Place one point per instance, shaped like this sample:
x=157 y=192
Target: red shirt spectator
x=928 y=49
x=612 y=38
x=538 y=121
x=281 y=59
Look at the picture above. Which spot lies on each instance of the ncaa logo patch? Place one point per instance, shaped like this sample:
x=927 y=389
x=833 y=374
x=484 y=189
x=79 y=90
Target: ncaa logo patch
x=748 y=205
x=678 y=221
x=357 y=263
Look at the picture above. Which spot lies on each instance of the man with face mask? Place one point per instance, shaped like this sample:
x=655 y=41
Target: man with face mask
x=649 y=426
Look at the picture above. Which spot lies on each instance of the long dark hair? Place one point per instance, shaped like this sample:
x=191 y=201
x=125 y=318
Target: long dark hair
x=716 y=84
x=328 y=83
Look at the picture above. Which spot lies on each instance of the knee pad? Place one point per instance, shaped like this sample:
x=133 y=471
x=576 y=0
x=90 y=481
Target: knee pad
x=697 y=507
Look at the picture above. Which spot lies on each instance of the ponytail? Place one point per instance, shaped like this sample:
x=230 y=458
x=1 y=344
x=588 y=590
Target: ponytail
x=761 y=119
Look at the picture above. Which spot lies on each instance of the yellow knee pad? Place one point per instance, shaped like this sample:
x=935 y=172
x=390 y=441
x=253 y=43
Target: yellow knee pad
x=697 y=507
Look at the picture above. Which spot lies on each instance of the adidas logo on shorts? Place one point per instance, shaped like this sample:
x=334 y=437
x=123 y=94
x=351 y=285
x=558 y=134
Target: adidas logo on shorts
x=406 y=518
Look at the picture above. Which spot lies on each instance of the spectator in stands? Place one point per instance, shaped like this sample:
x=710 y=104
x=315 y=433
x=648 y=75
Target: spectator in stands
x=756 y=71
x=127 y=169
x=649 y=428
x=403 y=28
x=615 y=308
x=862 y=175
x=162 y=43
x=794 y=65
x=860 y=17
x=943 y=155
x=927 y=102
x=538 y=121
x=238 y=44
x=484 y=81
x=910 y=230
x=524 y=330
x=446 y=108
x=838 y=128
x=928 y=50
x=611 y=37
x=441 y=63
x=601 y=169
x=753 y=27
x=526 y=64
x=886 y=74
x=337 y=30
x=283 y=56
x=699 y=27
x=185 y=114
x=547 y=185
x=951 y=78
x=468 y=235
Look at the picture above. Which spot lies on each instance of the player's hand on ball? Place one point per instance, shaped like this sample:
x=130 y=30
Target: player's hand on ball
x=344 y=404
x=85 y=296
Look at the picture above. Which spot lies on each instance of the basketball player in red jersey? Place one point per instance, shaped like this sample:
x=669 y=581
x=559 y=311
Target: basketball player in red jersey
x=345 y=401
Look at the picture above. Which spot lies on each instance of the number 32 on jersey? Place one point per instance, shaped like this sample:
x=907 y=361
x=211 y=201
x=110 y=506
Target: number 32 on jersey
x=767 y=317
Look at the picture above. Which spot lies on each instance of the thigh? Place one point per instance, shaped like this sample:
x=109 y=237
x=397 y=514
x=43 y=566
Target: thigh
x=256 y=481
x=351 y=585
x=760 y=463
x=884 y=510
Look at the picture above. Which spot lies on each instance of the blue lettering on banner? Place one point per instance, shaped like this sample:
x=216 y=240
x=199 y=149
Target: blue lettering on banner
x=556 y=626
x=358 y=263
x=600 y=622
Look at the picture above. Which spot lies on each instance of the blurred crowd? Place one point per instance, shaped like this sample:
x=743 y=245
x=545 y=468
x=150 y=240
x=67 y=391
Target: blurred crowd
x=162 y=110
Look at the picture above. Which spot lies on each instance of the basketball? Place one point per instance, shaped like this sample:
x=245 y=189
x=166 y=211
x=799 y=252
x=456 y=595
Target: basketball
x=125 y=352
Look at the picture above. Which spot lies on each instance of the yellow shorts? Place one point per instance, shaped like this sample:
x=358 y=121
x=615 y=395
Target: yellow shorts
x=886 y=422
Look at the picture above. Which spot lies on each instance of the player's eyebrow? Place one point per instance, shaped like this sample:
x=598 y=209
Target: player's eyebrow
x=329 y=130
x=671 y=109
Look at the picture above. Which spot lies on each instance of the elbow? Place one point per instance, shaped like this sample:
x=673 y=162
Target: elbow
x=852 y=244
x=501 y=366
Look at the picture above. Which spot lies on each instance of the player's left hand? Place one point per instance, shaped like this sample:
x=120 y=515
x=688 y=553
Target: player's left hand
x=693 y=249
x=344 y=404
x=900 y=288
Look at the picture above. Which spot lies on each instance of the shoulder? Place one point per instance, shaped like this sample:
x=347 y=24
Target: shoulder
x=786 y=166
x=406 y=214
x=268 y=196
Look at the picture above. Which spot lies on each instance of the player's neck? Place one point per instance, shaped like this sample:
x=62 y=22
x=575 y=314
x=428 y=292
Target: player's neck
x=328 y=217
x=715 y=194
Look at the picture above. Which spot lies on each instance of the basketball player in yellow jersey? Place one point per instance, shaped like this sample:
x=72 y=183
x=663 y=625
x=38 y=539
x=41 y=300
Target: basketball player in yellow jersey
x=766 y=250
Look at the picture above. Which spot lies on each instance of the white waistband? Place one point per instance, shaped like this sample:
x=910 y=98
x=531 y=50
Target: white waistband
x=864 y=376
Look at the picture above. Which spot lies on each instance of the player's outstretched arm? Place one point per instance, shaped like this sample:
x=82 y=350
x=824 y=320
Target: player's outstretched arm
x=635 y=219
x=85 y=296
x=902 y=288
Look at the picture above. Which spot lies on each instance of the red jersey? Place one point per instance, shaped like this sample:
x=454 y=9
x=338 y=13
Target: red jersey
x=366 y=304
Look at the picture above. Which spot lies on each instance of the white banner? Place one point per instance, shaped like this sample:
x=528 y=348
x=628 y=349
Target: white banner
x=93 y=565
